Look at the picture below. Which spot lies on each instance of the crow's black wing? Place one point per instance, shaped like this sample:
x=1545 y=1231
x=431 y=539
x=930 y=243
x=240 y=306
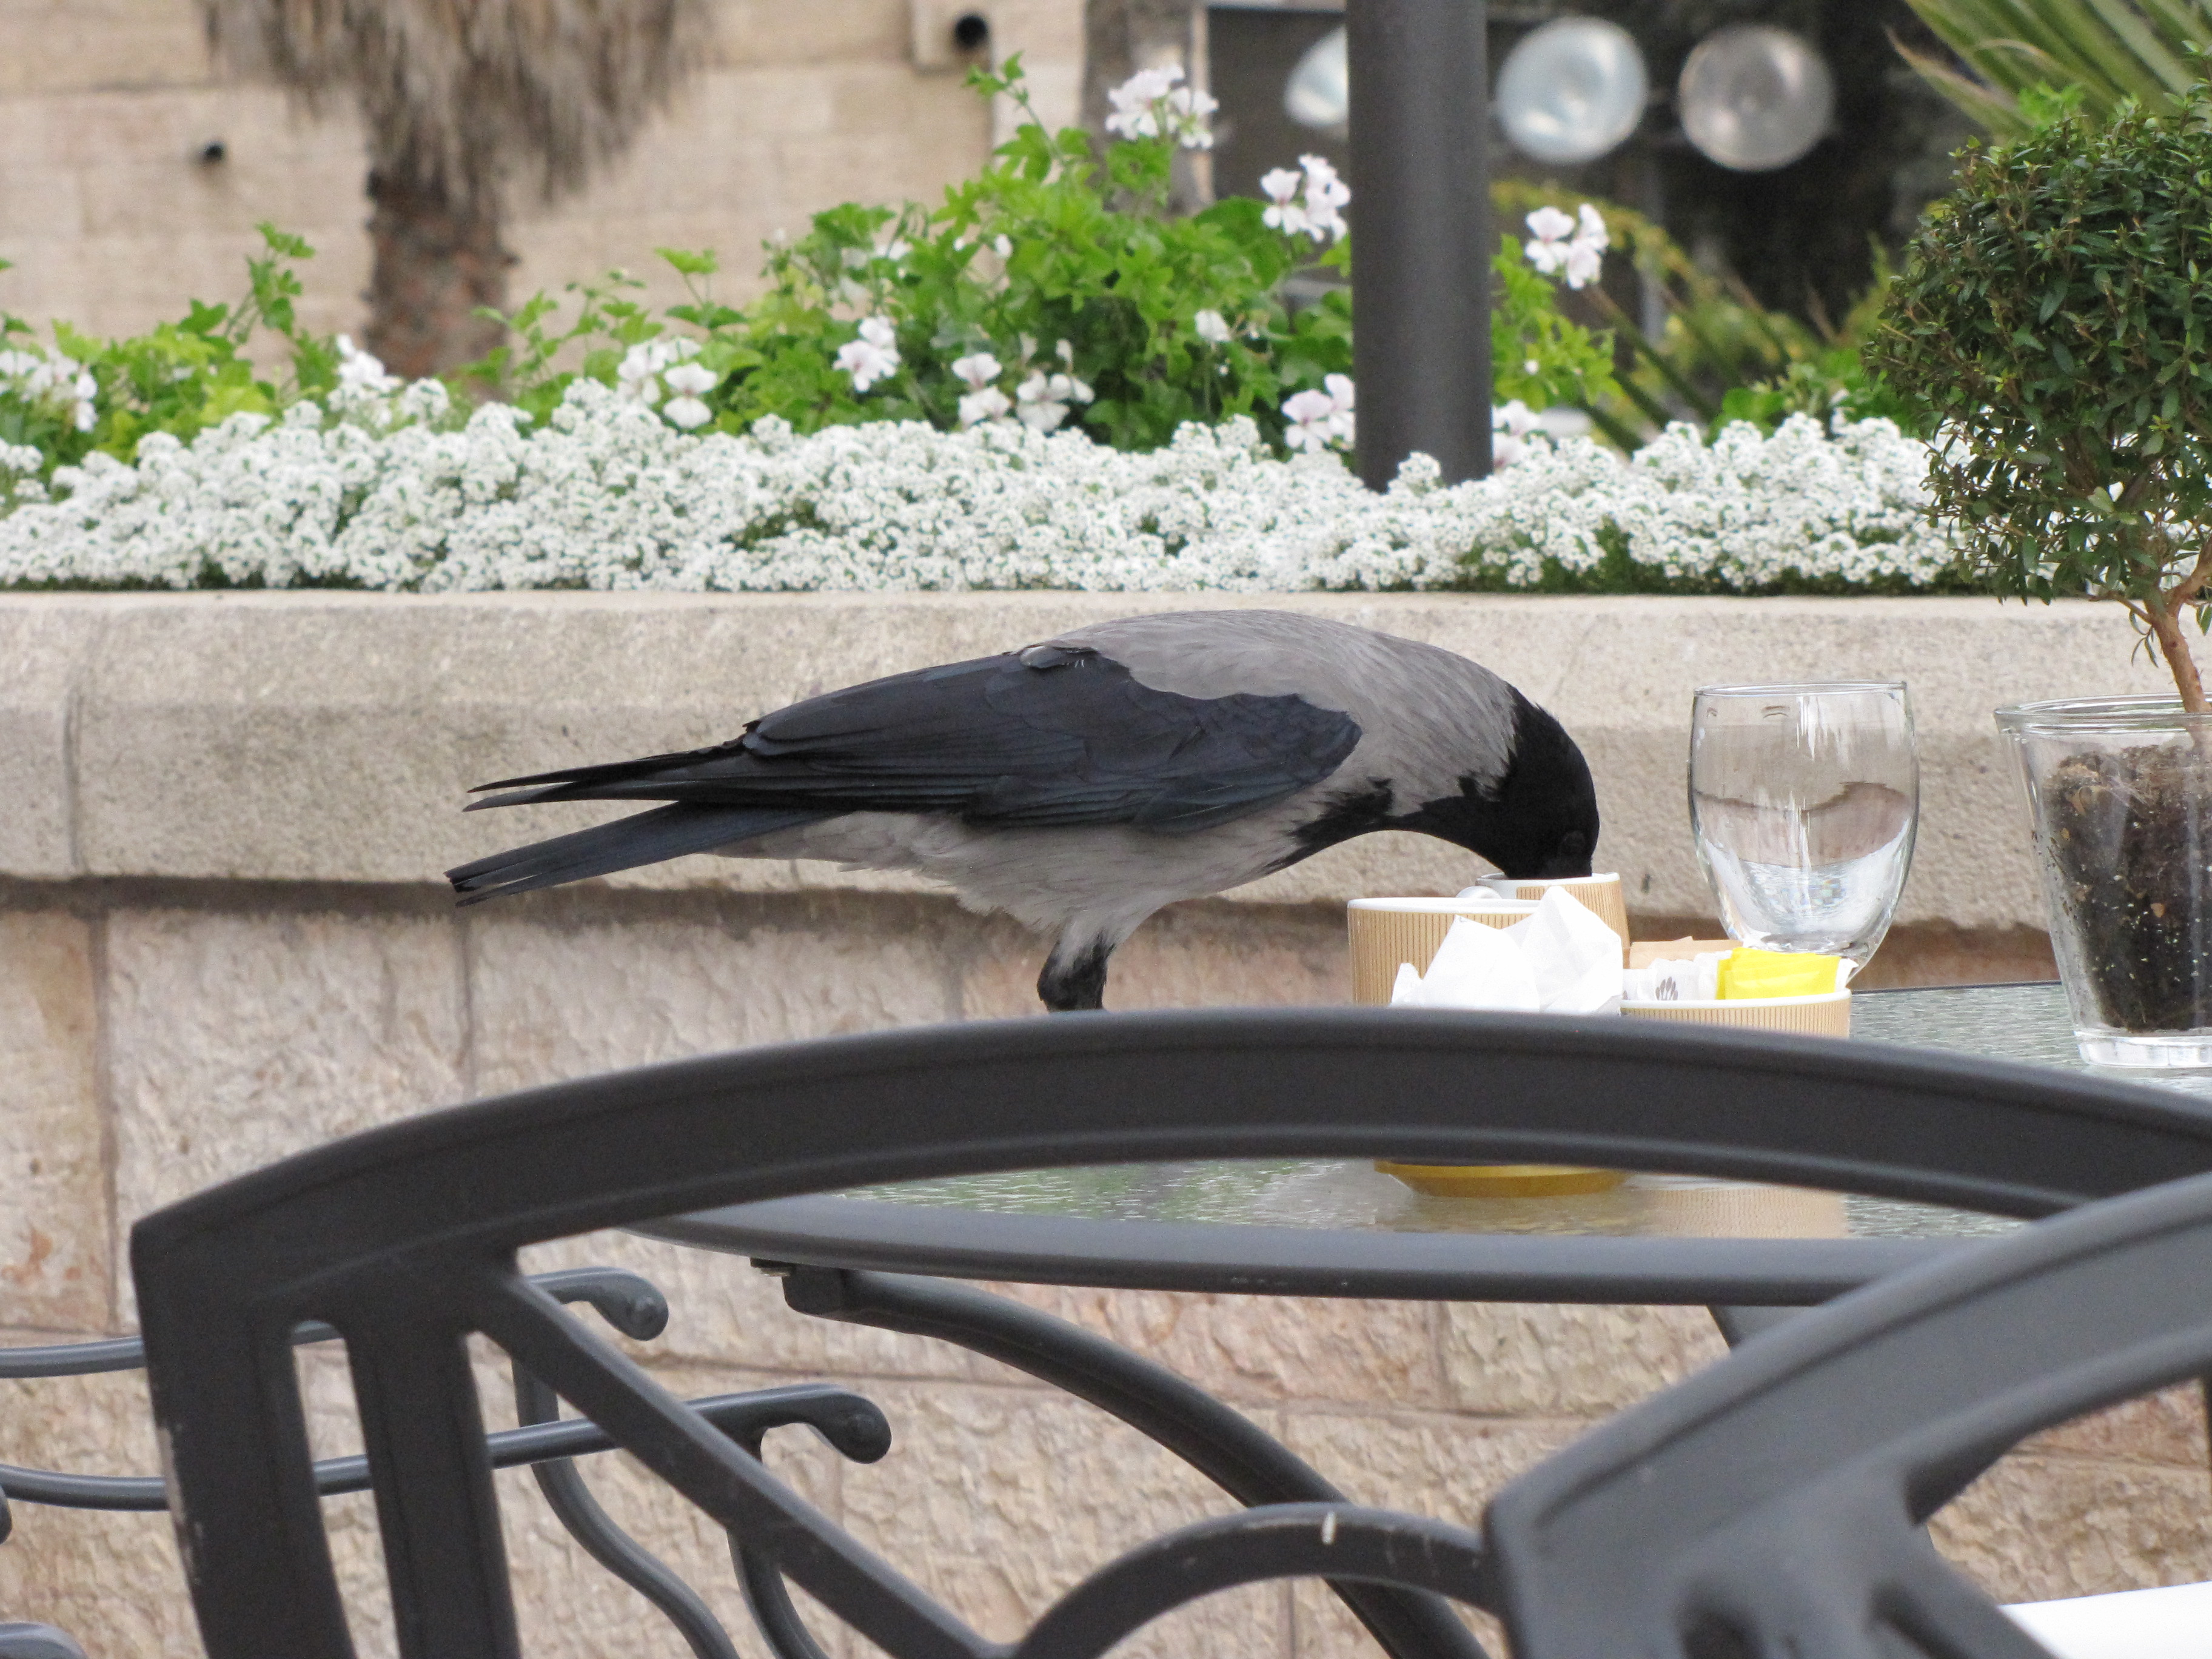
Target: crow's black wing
x=1048 y=737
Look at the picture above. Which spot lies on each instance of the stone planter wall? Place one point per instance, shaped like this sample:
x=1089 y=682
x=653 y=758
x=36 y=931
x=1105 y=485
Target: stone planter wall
x=222 y=938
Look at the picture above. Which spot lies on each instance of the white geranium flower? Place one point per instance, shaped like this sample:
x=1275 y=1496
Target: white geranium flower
x=1313 y=418
x=1003 y=245
x=1326 y=197
x=637 y=377
x=1134 y=116
x=1151 y=104
x=686 y=412
x=1586 y=253
x=1580 y=259
x=976 y=370
x=1189 y=114
x=84 y=412
x=1343 y=395
x=873 y=356
x=1510 y=423
x=692 y=379
x=1036 y=407
x=1212 y=328
x=1042 y=401
x=1551 y=228
x=988 y=403
x=1282 y=212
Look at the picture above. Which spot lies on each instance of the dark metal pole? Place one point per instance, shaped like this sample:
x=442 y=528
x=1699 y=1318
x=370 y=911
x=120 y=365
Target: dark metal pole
x=1421 y=243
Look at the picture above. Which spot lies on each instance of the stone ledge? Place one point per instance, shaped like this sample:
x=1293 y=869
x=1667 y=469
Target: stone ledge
x=330 y=736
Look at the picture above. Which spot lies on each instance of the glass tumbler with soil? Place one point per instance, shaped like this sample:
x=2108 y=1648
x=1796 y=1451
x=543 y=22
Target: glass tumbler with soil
x=2121 y=792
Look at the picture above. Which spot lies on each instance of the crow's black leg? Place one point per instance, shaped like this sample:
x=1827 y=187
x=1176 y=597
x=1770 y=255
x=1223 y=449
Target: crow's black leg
x=1073 y=982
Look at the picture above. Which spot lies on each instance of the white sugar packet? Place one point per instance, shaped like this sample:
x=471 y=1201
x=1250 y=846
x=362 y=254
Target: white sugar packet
x=1675 y=979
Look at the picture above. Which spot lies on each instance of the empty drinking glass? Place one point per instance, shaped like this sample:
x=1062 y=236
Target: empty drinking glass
x=1804 y=799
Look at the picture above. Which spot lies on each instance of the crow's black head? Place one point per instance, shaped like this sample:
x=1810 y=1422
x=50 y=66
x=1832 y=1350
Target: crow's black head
x=1540 y=820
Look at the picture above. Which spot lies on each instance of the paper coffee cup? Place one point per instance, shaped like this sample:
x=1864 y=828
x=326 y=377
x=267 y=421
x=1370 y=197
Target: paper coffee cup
x=1601 y=895
x=1386 y=932
x=1828 y=1014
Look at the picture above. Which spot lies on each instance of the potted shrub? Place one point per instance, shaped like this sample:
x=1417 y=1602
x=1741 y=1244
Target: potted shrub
x=2054 y=323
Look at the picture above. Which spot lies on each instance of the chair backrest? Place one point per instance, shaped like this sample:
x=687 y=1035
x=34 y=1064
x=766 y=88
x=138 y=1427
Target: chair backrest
x=1774 y=1503
x=403 y=1238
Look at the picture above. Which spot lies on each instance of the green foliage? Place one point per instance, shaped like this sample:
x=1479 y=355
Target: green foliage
x=1537 y=354
x=2055 y=318
x=180 y=377
x=1718 y=356
x=2103 y=53
x=1056 y=260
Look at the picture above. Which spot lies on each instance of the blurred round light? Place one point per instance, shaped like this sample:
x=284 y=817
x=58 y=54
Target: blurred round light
x=1319 y=92
x=1754 y=97
x=1571 y=90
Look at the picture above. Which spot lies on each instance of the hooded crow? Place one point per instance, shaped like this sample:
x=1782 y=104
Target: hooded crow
x=1080 y=784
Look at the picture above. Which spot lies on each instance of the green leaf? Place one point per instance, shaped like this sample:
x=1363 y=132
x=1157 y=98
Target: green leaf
x=700 y=264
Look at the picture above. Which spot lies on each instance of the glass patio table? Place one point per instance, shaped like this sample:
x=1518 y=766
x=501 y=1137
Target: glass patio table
x=1316 y=1227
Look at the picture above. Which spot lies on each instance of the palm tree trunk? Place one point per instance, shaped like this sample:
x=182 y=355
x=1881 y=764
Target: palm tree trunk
x=436 y=259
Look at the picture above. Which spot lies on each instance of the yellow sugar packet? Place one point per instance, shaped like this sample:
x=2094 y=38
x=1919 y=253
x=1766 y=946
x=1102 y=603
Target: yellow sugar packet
x=1748 y=973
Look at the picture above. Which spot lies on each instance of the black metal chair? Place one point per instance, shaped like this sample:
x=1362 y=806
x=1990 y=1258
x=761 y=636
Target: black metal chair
x=37 y=1641
x=1775 y=1504
x=626 y=1302
x=403 y=1239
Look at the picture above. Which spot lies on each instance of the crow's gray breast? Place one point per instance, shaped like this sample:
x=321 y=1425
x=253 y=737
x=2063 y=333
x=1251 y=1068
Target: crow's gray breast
x=1055 y=736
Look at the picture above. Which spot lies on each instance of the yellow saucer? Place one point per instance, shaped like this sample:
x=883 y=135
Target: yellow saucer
x=1502 y=1179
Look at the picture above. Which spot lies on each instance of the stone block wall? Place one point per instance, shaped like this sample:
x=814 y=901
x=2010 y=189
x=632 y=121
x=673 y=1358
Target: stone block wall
x=222 y=940
x=112 y=220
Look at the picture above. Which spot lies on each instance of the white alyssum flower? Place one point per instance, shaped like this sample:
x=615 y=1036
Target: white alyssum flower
x=362 y=377
x=20 y=465
x=604 y=494
x=873 y=356
x=1153 y=104
x=1212 y=327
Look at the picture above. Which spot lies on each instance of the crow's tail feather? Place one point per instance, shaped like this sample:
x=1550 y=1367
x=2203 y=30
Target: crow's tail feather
x=666 y=832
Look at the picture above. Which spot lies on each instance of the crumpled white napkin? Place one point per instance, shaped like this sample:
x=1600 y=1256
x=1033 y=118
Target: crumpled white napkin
x=1561 y=960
